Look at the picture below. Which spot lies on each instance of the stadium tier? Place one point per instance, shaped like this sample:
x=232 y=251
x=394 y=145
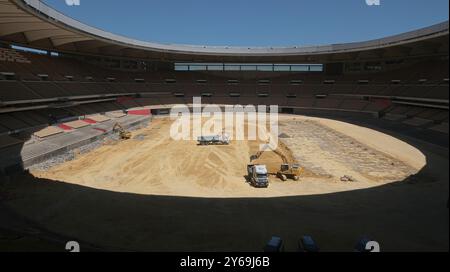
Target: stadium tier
x=417 y=89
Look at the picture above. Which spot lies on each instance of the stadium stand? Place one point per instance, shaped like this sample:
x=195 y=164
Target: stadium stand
x=40 y=88
x=8 y=141
x=443 y=127
x=47 y=132
x=12 y=56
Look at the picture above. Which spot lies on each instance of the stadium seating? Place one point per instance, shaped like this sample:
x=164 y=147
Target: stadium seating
x=16 y=90
x=12 y=56
x=37 y=77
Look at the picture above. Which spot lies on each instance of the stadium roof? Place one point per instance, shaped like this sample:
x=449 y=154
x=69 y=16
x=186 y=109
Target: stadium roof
x=32 y=23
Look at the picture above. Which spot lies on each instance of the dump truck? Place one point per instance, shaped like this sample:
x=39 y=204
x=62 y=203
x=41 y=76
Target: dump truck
x=221 y=139
x=257 y=176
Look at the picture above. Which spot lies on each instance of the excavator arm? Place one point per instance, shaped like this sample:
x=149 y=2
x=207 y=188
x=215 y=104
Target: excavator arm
x=276 y=151
x=124 y=134
x=282 y=156
x=287 y=169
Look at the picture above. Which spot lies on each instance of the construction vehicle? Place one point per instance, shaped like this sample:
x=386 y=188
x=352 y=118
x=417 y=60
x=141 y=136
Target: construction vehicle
x=287 y=170
x=221 y=139
x=123 y=133
x=257 y=176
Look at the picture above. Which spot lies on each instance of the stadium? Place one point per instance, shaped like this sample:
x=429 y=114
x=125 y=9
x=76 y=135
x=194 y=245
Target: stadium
x=87 y=152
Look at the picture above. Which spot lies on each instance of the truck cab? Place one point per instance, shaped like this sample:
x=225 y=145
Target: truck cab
x=258 y=176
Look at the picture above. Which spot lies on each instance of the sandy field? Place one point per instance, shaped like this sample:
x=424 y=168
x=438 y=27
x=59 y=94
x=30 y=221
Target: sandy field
x=152 y=163
x=151 y=193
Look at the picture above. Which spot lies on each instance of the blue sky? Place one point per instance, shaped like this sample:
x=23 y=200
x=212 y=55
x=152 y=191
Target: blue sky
x=256 y=22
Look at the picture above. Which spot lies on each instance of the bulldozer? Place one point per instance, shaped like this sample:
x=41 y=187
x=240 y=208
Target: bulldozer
x=123 y=133
x=287 y=170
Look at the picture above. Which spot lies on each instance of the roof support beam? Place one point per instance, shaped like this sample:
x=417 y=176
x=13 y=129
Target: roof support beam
x=13 y=28
x=36 y=35
x=62 y=40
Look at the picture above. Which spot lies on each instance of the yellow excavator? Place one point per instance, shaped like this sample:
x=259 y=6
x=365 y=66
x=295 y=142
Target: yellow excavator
x=287 y=170
x=123 y=133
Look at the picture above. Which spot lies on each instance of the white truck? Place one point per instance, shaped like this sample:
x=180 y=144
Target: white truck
x=221 y=139
x=258 y=176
